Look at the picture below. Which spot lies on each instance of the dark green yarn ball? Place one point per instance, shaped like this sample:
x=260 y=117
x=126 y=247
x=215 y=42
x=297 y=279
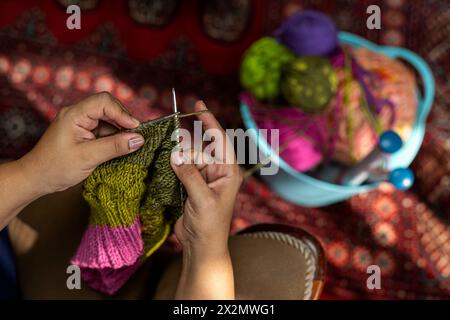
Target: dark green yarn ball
x=309 y=83
x=261 y=68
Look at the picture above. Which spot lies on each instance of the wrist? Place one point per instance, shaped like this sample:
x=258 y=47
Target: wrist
x=31 y=176
x=205 y=252
x=207 y=273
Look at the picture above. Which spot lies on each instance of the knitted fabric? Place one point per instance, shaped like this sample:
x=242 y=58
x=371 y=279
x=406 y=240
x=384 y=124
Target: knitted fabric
x=134 y=200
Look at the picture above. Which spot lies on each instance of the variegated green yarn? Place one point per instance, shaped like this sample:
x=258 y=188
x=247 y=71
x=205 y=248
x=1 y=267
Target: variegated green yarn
x=262 y=66
x=139 y=185
x=309 y=83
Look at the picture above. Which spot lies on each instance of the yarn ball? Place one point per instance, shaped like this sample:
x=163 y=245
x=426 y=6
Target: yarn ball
x=302 y=141
x=308 y=33
x=388 y=79
x=309 y=83
x=261 y=68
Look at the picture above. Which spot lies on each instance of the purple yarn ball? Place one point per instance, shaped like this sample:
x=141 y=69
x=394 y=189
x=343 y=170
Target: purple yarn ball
x=308 y=33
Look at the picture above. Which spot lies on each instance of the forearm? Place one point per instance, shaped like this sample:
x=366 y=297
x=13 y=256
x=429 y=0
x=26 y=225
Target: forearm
x=206 y=275
x=17 y=190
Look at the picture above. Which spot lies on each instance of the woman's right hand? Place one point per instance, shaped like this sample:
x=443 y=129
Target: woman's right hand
x=204 y=227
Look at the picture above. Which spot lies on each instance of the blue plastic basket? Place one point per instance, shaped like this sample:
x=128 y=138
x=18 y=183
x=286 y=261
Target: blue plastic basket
x=307 y=191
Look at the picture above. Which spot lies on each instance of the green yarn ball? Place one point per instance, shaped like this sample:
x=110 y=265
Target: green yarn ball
x=261 y=68
x=309 y=83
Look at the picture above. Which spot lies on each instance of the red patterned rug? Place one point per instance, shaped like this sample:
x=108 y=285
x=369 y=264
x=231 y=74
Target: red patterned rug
x=43 y=66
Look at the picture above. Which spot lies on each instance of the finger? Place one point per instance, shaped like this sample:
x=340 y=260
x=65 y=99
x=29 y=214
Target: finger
x=223 y=149
x=207 y=118
x=103 y=106
x=107 y=148
x=228 y=180
x=104 y=129
x=200 y=159
x=190 y=177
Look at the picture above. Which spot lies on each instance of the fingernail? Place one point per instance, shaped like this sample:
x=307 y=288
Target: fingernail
x=178 y=158
x=202 y=103
x=135 y=142
x=135 y=121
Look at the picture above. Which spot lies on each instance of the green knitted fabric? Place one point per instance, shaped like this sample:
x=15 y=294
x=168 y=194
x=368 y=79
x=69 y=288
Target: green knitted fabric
x=139 y=185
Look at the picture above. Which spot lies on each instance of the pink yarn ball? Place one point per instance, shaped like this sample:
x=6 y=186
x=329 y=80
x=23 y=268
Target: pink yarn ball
x=301 y=140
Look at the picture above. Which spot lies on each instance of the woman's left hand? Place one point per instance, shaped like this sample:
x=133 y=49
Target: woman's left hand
x=69 y=150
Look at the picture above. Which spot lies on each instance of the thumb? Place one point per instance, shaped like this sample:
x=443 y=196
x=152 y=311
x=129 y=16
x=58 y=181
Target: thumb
x=110 y=147
x=191 y=178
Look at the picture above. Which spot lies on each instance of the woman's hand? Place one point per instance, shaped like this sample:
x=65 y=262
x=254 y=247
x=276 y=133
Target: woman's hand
x=69 y=151
x=204 y=227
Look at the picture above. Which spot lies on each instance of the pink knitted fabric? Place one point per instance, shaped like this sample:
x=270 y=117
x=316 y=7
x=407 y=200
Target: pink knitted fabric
x=108 y=256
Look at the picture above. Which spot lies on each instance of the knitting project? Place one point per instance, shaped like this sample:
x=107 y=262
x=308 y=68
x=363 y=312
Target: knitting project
x=134 y=201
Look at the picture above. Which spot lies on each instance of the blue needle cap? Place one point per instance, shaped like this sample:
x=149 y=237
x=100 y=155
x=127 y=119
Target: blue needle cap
x=390 y=142
x=401 y=178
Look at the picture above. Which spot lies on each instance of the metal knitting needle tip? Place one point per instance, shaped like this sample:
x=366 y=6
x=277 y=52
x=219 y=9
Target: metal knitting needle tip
x=175 y=111
x=174 y=101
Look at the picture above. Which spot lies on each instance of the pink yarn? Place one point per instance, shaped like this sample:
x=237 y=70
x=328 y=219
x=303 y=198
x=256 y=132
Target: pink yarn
x=302 y=139
x=108 y=280
x=108 y=256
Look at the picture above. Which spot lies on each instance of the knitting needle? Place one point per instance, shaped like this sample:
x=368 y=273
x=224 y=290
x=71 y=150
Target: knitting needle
x=177 y=115
x=175 y=112
x=153 y=121
x=400 y=178
x=174 y=102
x=389 y=143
